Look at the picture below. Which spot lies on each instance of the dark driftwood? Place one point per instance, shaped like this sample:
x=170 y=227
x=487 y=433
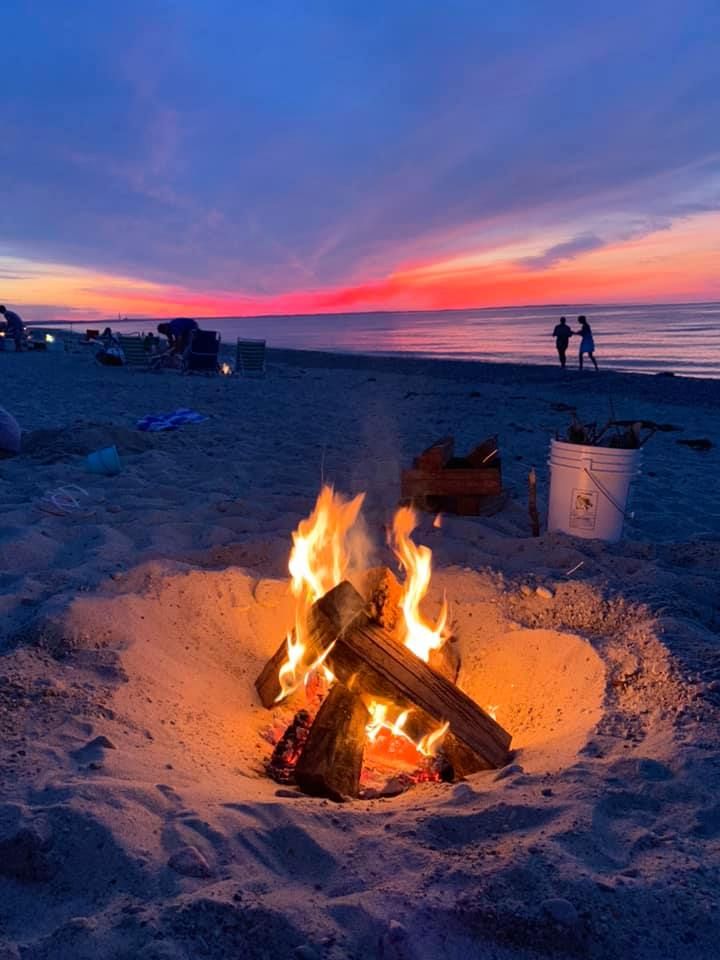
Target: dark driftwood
x=532 y=503
x=347 y=605
x=372 y=660
x=331 y=760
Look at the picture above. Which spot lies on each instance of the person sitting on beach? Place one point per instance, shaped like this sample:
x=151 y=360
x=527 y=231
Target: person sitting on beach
x=14 y=326
x=587 y=344
x=178 y=332
x=562 y=334
x=151 y=342
x=110 y=353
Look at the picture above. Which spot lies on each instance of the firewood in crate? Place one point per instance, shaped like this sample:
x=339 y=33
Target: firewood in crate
x=331 y=760
x=289 y=747
x=485 y=454
x=383 y=668
x=347 y=605
x=455 y=482
x=436 y=456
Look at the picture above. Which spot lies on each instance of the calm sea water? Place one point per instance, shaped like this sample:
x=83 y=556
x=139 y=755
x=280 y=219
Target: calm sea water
x=684 y=338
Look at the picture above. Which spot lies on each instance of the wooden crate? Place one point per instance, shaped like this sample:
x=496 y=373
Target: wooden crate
x=469 y=485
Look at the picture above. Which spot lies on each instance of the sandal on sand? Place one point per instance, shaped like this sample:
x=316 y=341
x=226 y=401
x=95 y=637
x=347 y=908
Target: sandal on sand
x=65 y=502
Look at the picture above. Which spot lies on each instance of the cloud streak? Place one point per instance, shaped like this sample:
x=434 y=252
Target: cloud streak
x=267 y=153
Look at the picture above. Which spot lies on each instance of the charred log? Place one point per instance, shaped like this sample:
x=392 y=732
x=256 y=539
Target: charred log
x=322 y=631
x=331 y=760
x=372 y=660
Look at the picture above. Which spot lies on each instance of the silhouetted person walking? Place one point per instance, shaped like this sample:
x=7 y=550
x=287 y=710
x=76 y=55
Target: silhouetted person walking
x=587 y=344
x=562 y=334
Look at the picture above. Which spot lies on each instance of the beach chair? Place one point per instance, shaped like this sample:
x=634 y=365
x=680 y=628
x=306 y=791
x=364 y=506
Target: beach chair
x=74 y=341
x=133 y=348
x=35 y=338
x=201 y=354
x=250 y=358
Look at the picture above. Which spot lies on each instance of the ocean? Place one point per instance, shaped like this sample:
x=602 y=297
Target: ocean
x=682 y=338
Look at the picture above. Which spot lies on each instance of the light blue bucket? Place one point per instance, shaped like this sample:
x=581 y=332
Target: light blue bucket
x=105 y=461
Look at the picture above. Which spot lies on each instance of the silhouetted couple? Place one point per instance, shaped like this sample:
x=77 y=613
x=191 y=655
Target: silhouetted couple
x=562 y=334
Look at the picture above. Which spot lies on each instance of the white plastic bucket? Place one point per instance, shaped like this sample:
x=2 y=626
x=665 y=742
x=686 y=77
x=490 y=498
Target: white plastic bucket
x=589 y=489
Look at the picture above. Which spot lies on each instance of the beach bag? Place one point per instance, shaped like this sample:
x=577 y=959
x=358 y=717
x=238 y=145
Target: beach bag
x=10 y=433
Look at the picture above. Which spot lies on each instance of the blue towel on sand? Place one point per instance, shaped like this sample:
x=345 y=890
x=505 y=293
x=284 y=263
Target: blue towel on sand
x=169 y=421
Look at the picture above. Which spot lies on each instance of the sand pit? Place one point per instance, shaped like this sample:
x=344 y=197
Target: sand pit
x=191 y=644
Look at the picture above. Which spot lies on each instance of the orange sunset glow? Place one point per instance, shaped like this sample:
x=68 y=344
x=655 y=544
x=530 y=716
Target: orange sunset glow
x=670 y=264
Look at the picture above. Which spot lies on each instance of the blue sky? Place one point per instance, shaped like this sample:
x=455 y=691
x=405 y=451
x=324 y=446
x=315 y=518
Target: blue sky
x=263 y=150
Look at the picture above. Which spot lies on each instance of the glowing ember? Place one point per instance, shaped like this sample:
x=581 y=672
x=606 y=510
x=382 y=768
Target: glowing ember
x=438 y=521
x=226 y=370
x=421 y=636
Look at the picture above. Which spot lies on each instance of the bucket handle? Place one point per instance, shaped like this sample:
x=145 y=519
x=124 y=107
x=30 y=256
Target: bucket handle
x=603 y=489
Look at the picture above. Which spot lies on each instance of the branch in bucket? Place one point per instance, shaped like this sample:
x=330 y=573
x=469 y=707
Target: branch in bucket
x=618 y=434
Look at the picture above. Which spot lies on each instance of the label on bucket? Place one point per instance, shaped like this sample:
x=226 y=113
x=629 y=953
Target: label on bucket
x=583 y=509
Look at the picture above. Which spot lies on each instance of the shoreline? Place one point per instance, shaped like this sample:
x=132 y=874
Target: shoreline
x=663 y=338
x=663 y=387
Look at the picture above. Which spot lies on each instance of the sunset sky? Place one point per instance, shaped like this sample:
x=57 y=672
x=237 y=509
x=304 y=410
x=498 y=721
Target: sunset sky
x=217 y=157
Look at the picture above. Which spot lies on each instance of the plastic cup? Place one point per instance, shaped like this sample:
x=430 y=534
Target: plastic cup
x=105 y=461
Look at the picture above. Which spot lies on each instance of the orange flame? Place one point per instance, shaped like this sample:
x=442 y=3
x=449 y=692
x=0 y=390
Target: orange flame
x=421 y=636
x=319 y=560
x=380 y=719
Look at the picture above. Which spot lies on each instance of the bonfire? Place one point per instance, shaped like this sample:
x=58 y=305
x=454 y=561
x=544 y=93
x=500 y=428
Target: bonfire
x=374 y=671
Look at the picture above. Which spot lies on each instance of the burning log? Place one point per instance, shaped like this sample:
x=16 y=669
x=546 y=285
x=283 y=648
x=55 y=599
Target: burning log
x=384 y=592
x=347 y=606
x=331 y=760
x=375 y=662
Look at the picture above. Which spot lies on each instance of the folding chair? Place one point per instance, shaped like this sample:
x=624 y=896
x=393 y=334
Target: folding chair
x=250 y=358
x=134 y=351
x=201 y=354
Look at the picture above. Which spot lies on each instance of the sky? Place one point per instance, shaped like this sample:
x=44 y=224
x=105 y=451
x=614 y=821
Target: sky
x=216 y=157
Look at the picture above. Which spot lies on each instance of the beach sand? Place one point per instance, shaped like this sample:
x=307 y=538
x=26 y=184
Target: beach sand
x=135 y=817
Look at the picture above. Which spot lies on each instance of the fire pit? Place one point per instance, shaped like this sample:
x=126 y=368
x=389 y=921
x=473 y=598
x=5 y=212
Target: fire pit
x=377 y=667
